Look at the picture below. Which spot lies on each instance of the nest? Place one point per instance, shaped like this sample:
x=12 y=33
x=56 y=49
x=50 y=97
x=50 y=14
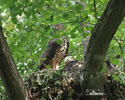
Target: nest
x=64 y=84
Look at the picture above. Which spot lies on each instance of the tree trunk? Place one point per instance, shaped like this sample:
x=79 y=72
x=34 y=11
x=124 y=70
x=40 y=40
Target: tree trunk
x=93 y=60
x=9 y=74
x=98 y=45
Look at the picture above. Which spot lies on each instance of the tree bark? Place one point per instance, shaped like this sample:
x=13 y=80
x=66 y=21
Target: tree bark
x=99 y=42
x=9 y=74
x=98 y=45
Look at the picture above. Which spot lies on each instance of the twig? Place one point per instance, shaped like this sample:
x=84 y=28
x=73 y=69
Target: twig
x=82 y=27
x=118 y=44
x=120 y=40
x=95 y=10
x=60 y=11
x=3 y=20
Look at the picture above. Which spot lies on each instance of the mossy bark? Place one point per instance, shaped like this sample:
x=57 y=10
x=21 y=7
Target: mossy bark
x=99 y=42
x=8 y=72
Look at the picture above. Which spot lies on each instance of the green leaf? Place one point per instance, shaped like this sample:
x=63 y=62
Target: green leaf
x=0 y=23
x=78 y=7
x=48 y=66
x=42 y=59
x=115 y=77
x=14 y=19
x=65 y=15
x=19 y=26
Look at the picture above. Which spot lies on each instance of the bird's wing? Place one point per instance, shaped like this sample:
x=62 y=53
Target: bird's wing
x=50 y=50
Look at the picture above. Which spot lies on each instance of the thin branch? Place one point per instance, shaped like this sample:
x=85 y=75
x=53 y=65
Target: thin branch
x=120 y=40
x=59 y=11
x=118 y=44
x=49 y=7
x=82 y=40
x=95 y=9
x=3 y=20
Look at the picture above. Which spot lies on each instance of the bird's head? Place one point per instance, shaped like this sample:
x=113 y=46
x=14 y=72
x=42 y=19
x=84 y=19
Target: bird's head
x=64 y=39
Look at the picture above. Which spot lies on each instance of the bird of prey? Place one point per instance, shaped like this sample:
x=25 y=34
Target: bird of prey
x=54 y=53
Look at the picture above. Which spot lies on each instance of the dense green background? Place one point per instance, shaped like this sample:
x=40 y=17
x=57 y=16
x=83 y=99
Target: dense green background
x=29 y=24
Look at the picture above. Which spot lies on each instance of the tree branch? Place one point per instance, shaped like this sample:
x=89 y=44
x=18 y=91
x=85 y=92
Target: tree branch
x=95 y=10
x=118 y=44
x=98 y=45
x=8 y=72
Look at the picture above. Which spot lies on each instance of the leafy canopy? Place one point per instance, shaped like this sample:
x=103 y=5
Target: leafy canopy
x=29 y=24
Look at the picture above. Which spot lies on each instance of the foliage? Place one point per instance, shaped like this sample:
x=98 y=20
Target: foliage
x=30 y=24
x=64 y=84
x=48 y=84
